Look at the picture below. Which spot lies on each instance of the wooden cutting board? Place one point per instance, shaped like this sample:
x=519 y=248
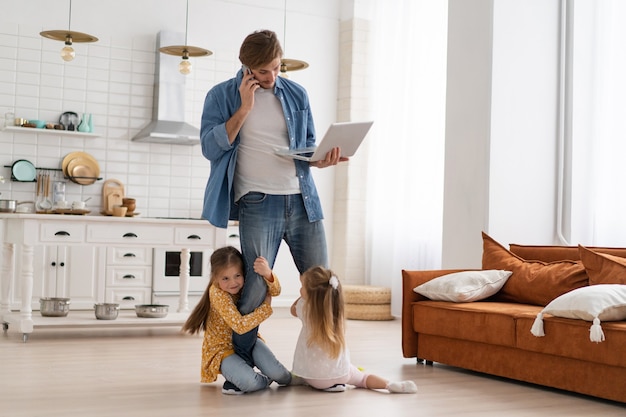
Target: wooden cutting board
x=112 y=195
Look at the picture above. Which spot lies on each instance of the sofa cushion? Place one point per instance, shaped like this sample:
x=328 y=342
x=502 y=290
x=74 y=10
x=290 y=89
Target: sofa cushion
x=532 y=282
x=464 y=286
x=481 y=321
x=603 y=268
x=596 y=303
x=558 y=253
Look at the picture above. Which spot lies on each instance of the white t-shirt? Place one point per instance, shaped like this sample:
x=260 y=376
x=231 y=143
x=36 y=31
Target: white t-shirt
x=311 y=361
x=258 y=167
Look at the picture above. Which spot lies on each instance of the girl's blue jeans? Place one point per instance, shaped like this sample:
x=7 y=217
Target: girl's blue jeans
x=240 y=373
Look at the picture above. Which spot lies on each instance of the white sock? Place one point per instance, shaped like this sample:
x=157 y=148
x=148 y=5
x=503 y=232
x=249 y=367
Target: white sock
x=402 y=387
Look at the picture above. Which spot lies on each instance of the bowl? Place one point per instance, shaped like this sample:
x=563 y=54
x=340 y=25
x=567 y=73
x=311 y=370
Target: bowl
x=54 y=306
x=151 y=310
x=39 y=124
x=106 y=311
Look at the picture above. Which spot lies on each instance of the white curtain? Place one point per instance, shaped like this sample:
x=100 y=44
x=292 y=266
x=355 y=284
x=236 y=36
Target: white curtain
x=598 y=203
x=405 y=171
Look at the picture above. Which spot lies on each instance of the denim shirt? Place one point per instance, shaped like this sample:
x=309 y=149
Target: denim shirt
x=221 y=102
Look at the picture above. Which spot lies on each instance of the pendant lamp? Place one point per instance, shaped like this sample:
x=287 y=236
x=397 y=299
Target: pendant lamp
x=185 y=51
x=287 y=64
x=68 y=36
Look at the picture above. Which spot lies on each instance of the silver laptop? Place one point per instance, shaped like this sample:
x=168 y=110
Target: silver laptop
x=345 y=135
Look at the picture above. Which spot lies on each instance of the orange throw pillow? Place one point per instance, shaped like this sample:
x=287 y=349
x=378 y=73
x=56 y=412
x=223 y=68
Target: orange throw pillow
x=532 y=282
x=603 y=268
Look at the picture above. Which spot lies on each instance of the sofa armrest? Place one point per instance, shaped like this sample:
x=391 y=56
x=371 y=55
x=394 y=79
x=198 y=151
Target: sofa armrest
x=410 y=280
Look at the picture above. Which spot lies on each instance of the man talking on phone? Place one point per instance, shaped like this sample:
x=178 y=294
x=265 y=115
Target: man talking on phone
x=274 y=198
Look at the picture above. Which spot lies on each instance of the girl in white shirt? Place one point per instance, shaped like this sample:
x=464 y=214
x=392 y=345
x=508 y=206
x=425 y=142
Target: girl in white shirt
x=322 y=359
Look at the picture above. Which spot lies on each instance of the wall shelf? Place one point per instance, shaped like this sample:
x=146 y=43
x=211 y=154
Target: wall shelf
x=18 y=129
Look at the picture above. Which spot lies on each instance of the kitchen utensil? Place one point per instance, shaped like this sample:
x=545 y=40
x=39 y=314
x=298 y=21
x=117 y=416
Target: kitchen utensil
x=46 y=203
x=84 y=169
x=25 y=207
x=54 y=306
x=106 y=311
x=110 y=187
x=130 y=204
x=119 y=211
x=78 y=205
x=38 y=196
x=151 y=310
x=7 y=206
x=13 y=206
x=23 y=170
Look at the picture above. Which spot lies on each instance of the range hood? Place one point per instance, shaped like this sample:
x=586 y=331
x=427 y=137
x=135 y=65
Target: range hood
x=168 y=114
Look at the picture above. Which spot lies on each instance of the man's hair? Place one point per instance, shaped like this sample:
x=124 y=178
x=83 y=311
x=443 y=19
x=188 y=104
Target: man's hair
x=260 y=48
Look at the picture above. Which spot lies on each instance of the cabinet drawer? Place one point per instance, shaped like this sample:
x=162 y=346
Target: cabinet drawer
x=129 y=256
x=61 y=232
x=195 y=236
x=128 y=297
x=129 y=234
x=129 y=276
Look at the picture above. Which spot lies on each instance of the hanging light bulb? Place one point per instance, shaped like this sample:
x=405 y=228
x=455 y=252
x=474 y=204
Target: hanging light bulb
x=285 y=63
x=185 y=51
x=185 y=65
x=67 y=53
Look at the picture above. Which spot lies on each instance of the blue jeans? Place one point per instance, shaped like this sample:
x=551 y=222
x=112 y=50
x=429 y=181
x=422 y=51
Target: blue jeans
x=237 y=371
x=264 y=221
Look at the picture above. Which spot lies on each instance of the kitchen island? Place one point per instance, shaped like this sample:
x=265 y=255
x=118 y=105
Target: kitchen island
x=22 y=233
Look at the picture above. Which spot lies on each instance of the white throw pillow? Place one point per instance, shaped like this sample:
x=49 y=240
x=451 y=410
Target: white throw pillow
x=596 y=303
x=464 y=286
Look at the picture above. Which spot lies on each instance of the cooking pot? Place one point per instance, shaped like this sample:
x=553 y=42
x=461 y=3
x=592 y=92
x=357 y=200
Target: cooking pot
x=12 y=206
x=54 y=307
x=151 y=310
x=7 y=206
x=106 y=311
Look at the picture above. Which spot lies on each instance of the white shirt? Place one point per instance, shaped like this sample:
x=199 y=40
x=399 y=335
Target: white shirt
x=311 y=361
x=258 y=167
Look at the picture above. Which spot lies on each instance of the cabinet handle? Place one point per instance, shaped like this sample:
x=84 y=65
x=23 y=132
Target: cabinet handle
x=62 y=264
x=129 y=235
x=129 y=276
x=61 y=233
x=194 y=237
x=129 y=255
x=130 y=298
x=55 y=264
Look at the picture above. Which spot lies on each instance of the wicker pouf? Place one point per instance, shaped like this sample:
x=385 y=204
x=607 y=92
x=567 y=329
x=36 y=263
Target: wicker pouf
x=365 y=302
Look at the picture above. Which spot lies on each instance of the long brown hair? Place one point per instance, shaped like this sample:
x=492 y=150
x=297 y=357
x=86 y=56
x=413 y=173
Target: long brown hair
x=324 y=310
x=221 y=259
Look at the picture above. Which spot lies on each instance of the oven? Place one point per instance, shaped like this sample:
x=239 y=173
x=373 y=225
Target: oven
x=166 y=276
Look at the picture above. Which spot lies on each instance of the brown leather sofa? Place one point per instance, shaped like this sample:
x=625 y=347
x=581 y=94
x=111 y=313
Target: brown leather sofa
x=494 y=336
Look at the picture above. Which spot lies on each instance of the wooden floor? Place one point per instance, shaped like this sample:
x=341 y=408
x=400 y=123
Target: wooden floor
x=155 y=372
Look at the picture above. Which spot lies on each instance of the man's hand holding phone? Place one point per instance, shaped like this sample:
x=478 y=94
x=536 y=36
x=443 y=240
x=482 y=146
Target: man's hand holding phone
x=247 y=88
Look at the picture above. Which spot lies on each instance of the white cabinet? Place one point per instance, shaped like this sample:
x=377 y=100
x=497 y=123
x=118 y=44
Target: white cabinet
x=128 y=276
x=74 y=272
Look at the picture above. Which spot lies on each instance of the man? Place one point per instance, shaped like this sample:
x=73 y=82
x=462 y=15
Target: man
x=274 y=198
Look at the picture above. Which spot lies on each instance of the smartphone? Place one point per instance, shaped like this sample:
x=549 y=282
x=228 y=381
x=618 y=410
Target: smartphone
x=246 y=70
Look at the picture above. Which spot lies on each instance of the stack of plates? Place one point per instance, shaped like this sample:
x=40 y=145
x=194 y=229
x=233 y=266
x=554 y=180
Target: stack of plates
x=81 y=168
